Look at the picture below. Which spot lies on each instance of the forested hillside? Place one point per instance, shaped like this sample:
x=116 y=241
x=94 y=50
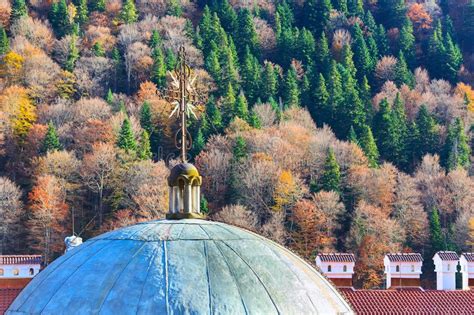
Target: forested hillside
x=343 y=125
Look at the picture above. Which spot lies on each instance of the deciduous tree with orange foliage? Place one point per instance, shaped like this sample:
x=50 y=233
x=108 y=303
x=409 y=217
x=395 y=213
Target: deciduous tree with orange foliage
x=420 y=18
x=47 y=217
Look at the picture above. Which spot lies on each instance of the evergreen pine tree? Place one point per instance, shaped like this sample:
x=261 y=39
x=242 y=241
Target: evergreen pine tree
x=323 y=56
x=369 y=21
x=214 y=115
x=129 y=12
x=144 y=147
x=347 y=60
x=269 y=81
x=368 y=145
x=109 y=97
x=385 y=131
x=155 y=39
x=365 y=96
x=336 y=95
x=204 y=205
x=437 y=239
x=351 y=111
x=352 y=137
x=356 y=7
x=403 y=75
x=51 y=140
x=341 y=6
x=316 y=15
x=126 y=139
x=254 y=120
x=97 y=5
x=239 y=149
x=291 y=89
x=98 y=50
x=59 y=17
x=382 y=41
x=320 y=108
x=452 y=60
x=170 y=59
x=174 y=8
x=407 y=43
x=227 y=16
x=457 y=150
x=146 y=118
x=392 y=12
x=228 y=104
x=362 y=59
x=19 y=9
x=158 y=75
x=250 y=76
x=467 y=29
x=400 y=154
x=305 y=47
x=247 y=36
x=4 y=42
x=241 y=108
x=73 y=54
x=82 y=15
x=331 y=178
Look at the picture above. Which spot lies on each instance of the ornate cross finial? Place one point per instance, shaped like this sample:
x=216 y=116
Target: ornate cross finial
x=182 y=94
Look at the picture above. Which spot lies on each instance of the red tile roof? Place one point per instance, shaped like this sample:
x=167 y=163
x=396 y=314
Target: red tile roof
x=405 y=257
x=20 y=259
x=337 y=257
x=448 y=256
x=6 y=298
x=469 y=256
x=410 y=302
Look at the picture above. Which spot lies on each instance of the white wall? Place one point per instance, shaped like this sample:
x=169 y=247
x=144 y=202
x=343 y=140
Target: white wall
x=467 y=272
x=445 y=273
x=337 y=268
x=23 y=271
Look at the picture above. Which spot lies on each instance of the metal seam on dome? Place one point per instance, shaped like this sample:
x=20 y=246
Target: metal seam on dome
x=265 y=244
x=255 y=274
x=119 y=274
x=165 y=263
x=208 y=277
x=57 y=289
x=55 y=267
x=233 y=275
x=152 y=258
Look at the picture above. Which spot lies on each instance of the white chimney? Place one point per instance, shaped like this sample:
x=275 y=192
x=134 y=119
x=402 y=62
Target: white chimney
x=339 y=267
x=403 y=270
x=446 y=264
x=467 y=270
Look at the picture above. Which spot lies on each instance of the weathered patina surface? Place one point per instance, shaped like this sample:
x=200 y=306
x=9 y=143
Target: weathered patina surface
x=179 y=267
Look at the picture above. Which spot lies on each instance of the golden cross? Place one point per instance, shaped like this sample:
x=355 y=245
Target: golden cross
x=182 y=94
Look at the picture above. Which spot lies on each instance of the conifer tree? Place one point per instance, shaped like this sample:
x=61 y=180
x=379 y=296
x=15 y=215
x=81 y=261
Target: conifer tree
x=204 y=205
x=170 y=59
x=51 y=140
x=356 y=7
x=4 y=42
x=254 y=120
x=269 y=81
x=98 y=50
x=399 y=119
x=323 y=56
x=457 y=150
x=73 y=54
x=229 y=73
x=403 y=75
x=82 y=15
x=158 y=75
x=174 y=8
x=385 y=131
x=129 y=12
x=407 y=43
x=392 y=12
x=228 y=104
x=199 y=142
x=381 y=39
x=109 y=97
x=341 y=6
x=369 y=21
x=247 y=36
x=155 y=39
x=59 y=17
x=214 y=115
x=352 y=137
x=336 y=95
x=362 y=59
x=437 y=239
x=239 y=149
x=330 y=180
x=97 y=5
x=366 y=98
x=452 y=60
x=316 y=14
x=227 y=16
x=144 y=147
x=467 y=29
x=19 y=9
x=250 y=76
x=351 y=111
x=241 y=108
x=368 y=145
x=291 y=91
x=320 y=108
x=347 y=60
x=305 y=45
x=146 y=118
x=213 y=66
x=126 y=139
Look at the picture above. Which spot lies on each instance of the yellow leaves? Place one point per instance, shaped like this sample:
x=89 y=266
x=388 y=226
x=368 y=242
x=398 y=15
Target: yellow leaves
x=17 y=104
x=285 y=192
x=65 y=84
x=470 y=240
x=463 y=90
x=11 y=65
x=72 y=12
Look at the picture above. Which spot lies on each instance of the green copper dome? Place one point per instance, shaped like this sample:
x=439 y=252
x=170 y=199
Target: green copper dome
x=179 y=267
